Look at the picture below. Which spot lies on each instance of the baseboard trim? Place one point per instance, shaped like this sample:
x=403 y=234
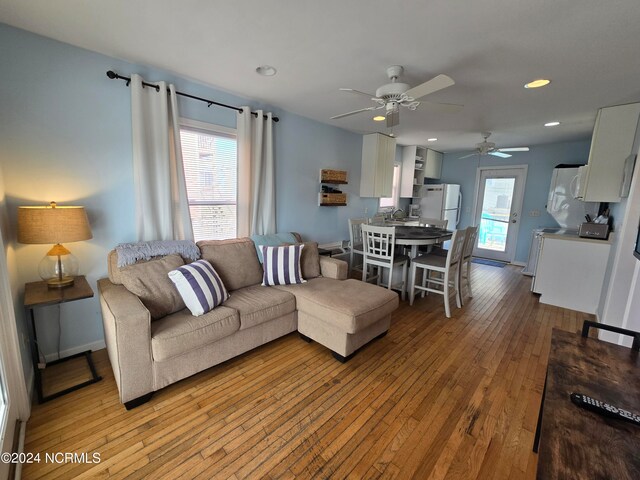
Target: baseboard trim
x=21 y=437
x=519 y=264
x=99 y=345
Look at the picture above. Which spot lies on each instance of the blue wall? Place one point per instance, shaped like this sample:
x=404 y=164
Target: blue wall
x=540 y=159
x=65 y=132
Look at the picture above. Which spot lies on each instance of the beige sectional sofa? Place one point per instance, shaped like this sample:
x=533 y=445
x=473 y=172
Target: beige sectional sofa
x=149 y=351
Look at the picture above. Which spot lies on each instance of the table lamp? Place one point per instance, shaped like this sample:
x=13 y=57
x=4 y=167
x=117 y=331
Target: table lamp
x=54 y=224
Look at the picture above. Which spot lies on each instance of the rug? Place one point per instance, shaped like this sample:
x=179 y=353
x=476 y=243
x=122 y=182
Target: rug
x=486 y=261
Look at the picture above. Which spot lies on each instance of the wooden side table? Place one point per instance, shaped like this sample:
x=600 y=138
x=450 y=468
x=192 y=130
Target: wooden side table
x=38 y=294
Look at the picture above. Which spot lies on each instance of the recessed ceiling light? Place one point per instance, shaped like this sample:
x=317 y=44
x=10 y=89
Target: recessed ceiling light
x=266 y=70
x=541 y=82
x=379 y=118
x=431 y=139
x=551 y=124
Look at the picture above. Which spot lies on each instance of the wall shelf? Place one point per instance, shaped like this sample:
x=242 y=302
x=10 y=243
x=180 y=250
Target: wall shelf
x=335 y=198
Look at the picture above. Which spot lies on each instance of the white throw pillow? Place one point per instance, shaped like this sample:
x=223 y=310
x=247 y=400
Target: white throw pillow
x=199 y=286
x=282 y=265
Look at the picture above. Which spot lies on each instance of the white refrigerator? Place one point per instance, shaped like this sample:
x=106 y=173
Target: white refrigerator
x=442 y=201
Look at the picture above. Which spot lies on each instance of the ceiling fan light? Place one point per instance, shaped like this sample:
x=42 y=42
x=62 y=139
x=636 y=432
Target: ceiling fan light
x=552 y=124
x=379 y=118
x=541 y=82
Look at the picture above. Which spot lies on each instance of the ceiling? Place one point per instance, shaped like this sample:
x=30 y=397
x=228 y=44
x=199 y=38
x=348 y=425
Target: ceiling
x=588 y=48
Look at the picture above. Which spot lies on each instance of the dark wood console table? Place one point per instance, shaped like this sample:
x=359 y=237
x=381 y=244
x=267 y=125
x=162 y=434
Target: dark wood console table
x=576 y=443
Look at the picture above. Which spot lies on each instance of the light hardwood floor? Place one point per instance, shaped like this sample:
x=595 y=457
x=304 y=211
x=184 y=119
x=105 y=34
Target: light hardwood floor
x=436 y=398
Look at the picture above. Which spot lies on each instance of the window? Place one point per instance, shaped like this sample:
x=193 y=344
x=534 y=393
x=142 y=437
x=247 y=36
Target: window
x=210 y=161
x=393 y=201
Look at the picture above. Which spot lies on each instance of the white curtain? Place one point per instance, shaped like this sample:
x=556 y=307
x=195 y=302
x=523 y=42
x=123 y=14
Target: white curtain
x=256 y=174
x=162 y=209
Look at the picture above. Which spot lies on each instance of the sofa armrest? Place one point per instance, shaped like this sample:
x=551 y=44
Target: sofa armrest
x=127 y=331
x=333 y=268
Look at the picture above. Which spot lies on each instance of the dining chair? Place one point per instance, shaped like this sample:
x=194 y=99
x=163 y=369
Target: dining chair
x=432 y=222
x=465 y=266
x=355 y=241
x=447 y=267
x=379 y=252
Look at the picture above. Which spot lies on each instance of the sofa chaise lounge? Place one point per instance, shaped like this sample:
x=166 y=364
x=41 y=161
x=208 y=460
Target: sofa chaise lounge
x=154 y=341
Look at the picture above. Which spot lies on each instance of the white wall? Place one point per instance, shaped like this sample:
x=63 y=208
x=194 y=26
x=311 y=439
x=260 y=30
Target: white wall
x=620 y=293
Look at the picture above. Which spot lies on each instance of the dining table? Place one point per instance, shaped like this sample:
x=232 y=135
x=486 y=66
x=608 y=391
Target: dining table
x=416 y=236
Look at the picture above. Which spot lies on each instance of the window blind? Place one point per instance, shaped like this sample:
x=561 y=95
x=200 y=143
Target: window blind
x=211 y=174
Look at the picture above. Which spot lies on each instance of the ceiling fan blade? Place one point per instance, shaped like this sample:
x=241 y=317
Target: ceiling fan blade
x=358 y=92
x=354 y=112
x=514 y=149
x=430 y=86
x=497 y=153
x=467 y=156
x=441 y=107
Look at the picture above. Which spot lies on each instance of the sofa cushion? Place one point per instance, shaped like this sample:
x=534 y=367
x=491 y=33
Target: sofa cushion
x=182 y=332
x=199 y=286
x=310 y=260
x=114 y=271
x=282 y=265
x=258 y=304
x=350 y=305
x=151 y=283
x=235 y=261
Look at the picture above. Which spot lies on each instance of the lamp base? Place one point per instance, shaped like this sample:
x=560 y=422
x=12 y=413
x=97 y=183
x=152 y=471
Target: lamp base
x=63 y=282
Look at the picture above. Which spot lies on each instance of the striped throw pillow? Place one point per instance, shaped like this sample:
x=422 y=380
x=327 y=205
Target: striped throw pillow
x=200 y=286
x=282 y=265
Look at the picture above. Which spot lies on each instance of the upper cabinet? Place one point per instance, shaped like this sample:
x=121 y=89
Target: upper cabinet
x=378 y=157
x=433 y=164
x=611 y=144
x=418 y=163
x=413 y=158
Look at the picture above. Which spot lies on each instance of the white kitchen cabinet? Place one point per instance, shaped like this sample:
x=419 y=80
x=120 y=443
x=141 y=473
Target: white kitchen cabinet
x=413 y=160
x=378 y=157
x=433 y=164
x=611 y=144
x=570 y=271
x=418 y=163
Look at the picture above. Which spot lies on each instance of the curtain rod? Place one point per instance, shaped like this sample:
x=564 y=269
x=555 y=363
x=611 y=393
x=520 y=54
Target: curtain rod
x=114 y=76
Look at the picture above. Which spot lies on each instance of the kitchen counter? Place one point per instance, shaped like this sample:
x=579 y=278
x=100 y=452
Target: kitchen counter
x=570 y=271
x=572 y=235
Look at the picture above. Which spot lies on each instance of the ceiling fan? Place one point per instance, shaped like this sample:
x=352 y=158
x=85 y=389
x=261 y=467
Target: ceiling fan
x=489 y=148
x=392 y=96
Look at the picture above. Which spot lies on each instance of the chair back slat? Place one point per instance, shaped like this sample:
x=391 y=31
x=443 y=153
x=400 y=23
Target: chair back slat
x=469 y=242
x=379 y=242
x=355 y=233
x=454 y=257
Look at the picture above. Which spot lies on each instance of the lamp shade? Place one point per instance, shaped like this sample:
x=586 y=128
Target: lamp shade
x=53 y=224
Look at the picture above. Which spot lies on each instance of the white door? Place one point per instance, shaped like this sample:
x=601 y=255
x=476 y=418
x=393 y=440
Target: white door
x=498 y=211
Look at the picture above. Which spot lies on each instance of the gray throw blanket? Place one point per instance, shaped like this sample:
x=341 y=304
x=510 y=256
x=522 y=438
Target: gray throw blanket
x=130 y=253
